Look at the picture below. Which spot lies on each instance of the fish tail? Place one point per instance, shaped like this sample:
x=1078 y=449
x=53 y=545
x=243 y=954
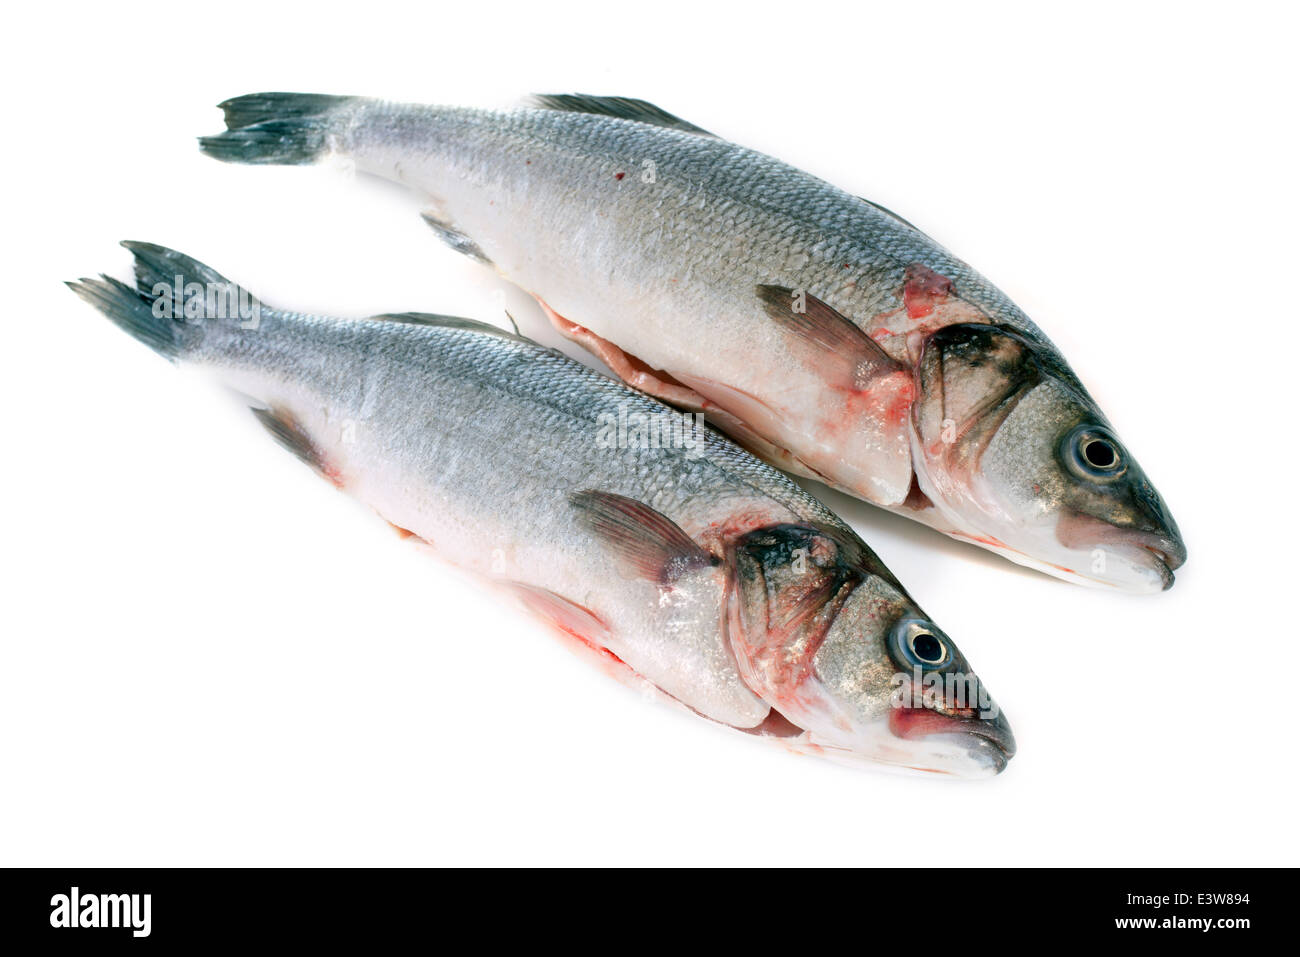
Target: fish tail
x=173 y=301
x=289 y=129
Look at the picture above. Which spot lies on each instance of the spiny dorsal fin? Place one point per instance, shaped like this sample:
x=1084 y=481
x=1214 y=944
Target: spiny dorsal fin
x=893 y=215
x=449 y=322
x=816 y=323
x=648 y=542
x=619 y=107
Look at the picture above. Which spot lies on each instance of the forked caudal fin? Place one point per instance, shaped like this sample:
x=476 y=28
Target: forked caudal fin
x=279 y=128
x=172 y=297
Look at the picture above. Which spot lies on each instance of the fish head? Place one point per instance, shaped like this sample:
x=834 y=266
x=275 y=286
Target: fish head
x=826 y=635
x=1016 y=456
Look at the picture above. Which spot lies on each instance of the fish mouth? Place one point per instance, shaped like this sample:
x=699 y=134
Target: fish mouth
x=1160 y=551
x=1164 y=565
x=986 y=741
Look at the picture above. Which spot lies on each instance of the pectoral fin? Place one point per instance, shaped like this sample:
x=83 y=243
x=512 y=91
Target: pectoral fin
x=861 y=442
x=843 y=349
x=647 y=542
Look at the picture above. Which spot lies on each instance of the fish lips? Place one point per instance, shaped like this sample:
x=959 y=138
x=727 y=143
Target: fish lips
x=986 y=741
x=1160 y=551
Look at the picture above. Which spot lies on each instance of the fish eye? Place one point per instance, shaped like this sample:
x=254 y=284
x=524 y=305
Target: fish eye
x=927 y=647
x=1092 y=453
x=1100 y=454
x=920 y=643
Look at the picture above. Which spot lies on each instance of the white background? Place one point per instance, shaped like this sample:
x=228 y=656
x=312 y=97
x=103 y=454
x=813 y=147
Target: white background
x=208 y=656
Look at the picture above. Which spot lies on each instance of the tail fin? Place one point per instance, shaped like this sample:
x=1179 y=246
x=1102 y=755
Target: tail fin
x=131 y=312
x=285 y=128
x=174 y=296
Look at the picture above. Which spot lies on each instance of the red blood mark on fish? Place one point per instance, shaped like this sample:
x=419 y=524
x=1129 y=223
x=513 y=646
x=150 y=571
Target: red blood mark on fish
x=598 y=649
x=987 y=540
x=720 y=533
x=619 y=175
x=923 y=289
x=887 y=399
x=886 y=402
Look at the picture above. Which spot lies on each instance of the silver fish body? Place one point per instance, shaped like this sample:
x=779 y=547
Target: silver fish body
x=680 y=560
x=824 y=332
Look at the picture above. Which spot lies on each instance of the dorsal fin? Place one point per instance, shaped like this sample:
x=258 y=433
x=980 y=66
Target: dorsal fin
x=619 y=107
x=894 y=216
x=450 y=322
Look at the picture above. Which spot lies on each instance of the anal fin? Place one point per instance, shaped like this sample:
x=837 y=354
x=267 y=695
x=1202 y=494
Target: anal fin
x=286 y=430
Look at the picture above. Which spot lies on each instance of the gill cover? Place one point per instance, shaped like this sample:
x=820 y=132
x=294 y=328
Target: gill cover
x=1015 y=454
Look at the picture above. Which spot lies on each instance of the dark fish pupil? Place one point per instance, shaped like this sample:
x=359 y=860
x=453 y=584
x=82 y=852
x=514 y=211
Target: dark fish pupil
x=927 y=647
x=1099 y=454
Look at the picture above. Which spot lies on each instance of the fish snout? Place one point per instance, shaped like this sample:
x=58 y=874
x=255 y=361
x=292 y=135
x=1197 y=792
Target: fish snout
x=983 y=737
x=1166 y=550
x=1158 y=548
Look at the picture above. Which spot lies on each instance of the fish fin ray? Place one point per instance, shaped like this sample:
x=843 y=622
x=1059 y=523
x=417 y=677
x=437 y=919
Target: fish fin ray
x=455 y=238
x=449 y=322
x=156 y=265
x=894 y=216
x=830 y=333
x=645 y=540
x=133 y=313
x=567 y=615
x=282 y=128
x=241 y=112
x=168 y=331
x=286 y=430
x=619 y=107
